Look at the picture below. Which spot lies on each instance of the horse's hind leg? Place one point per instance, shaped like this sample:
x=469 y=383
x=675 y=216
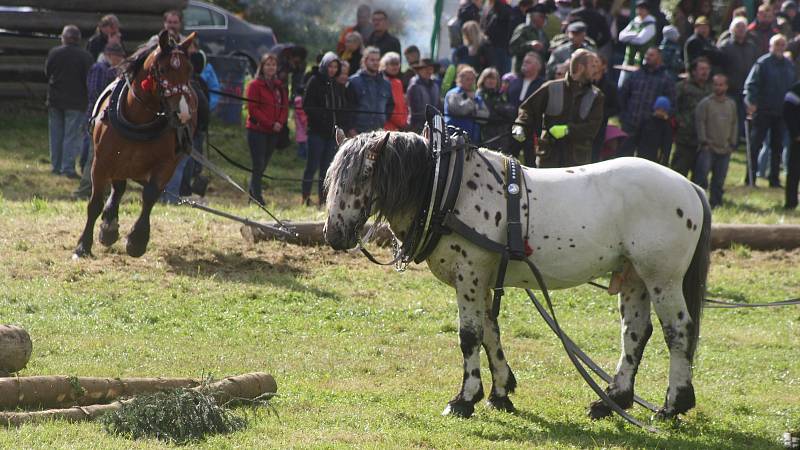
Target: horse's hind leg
x=503 y=380
x=634 y=309
x=109 y=228
x=140 y=233
x=93 y=209
x=677 y=325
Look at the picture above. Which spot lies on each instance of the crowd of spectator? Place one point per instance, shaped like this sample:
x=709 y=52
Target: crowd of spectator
x=545 y=80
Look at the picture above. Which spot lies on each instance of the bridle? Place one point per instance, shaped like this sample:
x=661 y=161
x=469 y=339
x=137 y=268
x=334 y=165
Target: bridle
x=161 y=87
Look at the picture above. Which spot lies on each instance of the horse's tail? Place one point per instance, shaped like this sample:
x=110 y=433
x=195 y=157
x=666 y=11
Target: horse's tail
x=694 y=282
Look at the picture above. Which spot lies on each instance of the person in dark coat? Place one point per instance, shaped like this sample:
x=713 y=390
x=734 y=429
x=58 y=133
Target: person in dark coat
x=520 y=89
x=66 y=69
x=496 y=23
x=501 y=112
x=791 y=112
x=107 y=32
x=700 y=44
x=597 y=28
x=609 y=89
x=569 y=126
x=323 y=102
x=380 y=37
x=422 y=91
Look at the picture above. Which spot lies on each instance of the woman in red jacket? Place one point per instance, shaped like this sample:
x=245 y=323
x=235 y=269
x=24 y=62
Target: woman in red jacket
x=267 y=114
x=390 y=68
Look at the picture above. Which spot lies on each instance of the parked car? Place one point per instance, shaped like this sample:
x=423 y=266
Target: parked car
x=221 y=33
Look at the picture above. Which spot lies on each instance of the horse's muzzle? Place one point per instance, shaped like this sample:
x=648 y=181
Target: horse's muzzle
x=337 y=239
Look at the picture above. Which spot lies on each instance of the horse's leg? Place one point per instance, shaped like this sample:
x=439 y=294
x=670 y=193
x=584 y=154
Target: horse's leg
x=140 y=233
x=109 y=228
x=634 y=309
x=677 y=325
x=471 y=309
x=93 y=209
x=503 y=380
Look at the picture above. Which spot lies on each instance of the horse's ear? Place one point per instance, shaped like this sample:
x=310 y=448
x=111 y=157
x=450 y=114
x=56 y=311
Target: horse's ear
x=163 y=40
x=186 y=43
x=426 y=132
x=339 y=137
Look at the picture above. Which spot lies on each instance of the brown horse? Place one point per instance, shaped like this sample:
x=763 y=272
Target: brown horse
x=139 y=131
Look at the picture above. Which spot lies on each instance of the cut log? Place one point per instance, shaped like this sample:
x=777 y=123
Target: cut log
x=113 y=6
x=248 y=386
x=61 y=392
x=15 y=349
x=22 y=68
x=21 y=89
x=134 y=26
x=758 y=237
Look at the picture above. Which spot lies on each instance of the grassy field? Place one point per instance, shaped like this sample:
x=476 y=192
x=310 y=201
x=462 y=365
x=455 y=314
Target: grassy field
x=363 y=357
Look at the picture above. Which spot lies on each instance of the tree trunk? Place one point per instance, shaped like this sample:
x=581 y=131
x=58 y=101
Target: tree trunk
x=61 y=392
x=15 y=349
x=758 y=237
x=112 y=6
x=248 y=386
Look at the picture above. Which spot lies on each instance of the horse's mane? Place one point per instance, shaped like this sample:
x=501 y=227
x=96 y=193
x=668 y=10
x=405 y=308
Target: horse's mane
x=132 y=64
x=401 y=174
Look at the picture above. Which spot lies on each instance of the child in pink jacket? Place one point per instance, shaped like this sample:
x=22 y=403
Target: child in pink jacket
x=300 y=127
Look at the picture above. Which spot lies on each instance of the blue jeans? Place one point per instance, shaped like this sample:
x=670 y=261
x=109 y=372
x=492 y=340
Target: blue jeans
x=302 y=150
x=717 y=164
x=172 y=191
x=261 y=147
x=320 y=154
x=66 y=138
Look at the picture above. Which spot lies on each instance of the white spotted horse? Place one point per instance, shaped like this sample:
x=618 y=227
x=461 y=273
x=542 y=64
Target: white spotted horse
x=644 y=223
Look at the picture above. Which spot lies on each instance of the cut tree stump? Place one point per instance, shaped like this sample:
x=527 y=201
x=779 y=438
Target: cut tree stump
x=228 y=390
x=757 y=237
x=61 y=392
x=15 y=349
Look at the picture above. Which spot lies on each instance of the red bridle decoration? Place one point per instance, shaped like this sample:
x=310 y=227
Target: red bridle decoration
x=148 y=84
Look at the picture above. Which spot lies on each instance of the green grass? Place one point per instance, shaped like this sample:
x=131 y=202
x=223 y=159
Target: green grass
x=363 y=356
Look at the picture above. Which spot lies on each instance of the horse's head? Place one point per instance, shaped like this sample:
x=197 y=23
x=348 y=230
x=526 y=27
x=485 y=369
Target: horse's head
x=167 y=71
x=383 y=173
x=350 y=187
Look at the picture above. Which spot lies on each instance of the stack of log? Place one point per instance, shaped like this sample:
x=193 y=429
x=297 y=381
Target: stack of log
x=33 y=26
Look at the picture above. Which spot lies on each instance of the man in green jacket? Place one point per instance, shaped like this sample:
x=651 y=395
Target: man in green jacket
x=569 y=112
x=530 y=36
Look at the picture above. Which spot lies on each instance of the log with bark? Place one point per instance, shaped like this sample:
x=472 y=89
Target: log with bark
x=134 y=26
x=15 y=349
x=757 y=237
x=112 y=6
x=245 y=387
x=61 y=392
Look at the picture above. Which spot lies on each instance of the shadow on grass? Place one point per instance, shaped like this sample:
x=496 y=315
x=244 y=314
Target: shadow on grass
x=697 y=432
x=235 y=267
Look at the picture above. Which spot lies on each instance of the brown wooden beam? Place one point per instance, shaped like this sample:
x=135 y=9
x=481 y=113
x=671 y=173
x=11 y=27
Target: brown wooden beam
x=132 y=25
x=113 y=6
x=757 y=237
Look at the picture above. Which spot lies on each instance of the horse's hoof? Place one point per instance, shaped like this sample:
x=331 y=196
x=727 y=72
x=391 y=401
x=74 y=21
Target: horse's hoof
x=501 y=404
x=459 y=408
x=109 y=233
x=80 y=252
x=134 y=248
x=598 y=410
x=664 y=415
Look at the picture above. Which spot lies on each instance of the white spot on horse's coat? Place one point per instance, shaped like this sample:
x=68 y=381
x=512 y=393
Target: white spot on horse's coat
x=183 y=110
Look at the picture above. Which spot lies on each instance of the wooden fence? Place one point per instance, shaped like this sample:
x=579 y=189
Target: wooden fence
x=33 y=27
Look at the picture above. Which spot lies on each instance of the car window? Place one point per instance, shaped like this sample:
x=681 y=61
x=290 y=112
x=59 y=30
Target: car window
x=195 y=16
x=217 y=18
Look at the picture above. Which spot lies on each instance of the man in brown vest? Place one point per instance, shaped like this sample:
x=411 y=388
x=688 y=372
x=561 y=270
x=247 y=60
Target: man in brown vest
x=569 y=112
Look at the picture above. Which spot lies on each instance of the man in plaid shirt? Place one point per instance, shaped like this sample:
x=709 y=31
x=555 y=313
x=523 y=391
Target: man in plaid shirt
x=102 y=73
x=637 y=96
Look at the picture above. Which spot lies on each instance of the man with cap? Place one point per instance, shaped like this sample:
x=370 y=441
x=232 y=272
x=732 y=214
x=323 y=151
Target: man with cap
x=101 y=74
x=638 y=36
x=596 y=25
x=700 y=44
x=422 y=91
x=569 y=112
x=530 y=36
x=577 y=40
x=66 y=68
x=788 y=19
